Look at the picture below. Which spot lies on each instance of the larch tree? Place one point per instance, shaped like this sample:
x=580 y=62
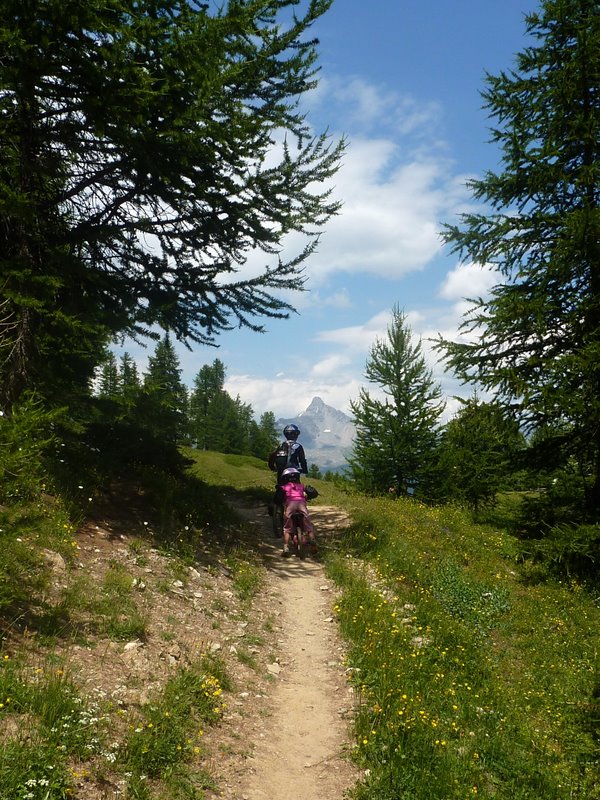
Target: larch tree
x=478 y=452
x=162 y=404
x=129 y=381
x=109 y=387
x=264 y=437
x=147 y=146
x=396 y=432
x=535 y=341
x=206 y=395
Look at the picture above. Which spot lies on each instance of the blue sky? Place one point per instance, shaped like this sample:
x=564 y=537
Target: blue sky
x=402 y=81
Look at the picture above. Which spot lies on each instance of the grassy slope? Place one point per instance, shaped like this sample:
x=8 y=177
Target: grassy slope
x=89 y=705
x=475 y=675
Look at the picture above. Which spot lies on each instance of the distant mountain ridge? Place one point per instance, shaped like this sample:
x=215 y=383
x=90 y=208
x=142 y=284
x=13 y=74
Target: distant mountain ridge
x=327 y=435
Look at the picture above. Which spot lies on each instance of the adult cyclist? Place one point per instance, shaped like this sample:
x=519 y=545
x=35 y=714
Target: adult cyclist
x=290 y=453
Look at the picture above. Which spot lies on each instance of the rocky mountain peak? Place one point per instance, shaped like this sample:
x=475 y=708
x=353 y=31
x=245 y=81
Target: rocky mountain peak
x=326 y=434
x=317 y=406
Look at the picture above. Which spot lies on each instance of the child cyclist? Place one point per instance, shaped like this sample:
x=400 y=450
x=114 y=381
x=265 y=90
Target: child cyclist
x=293 y=495
x=288 y=454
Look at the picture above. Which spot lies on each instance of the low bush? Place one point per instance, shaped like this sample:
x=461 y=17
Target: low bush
x=25 y=435
x=568 y=551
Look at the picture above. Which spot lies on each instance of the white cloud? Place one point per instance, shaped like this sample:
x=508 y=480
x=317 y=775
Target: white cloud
x=395 y=188
x=339 y=299
x=469 y=280
x=315 y=298
x=288 y=396
x=389 y=223
x=358 y=337
x=332 y=365
x=363 y=106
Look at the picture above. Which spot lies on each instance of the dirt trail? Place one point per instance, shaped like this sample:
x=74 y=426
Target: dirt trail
x=300 y=744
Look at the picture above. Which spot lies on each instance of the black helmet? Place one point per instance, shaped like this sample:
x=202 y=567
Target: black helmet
x=291 y=431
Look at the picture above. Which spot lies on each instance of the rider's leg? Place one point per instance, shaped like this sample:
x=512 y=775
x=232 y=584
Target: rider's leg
x=310 y=529
x=308 y=526
x=287 y=531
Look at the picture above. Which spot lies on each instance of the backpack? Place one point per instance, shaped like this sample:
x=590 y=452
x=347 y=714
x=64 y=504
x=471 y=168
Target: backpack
x=283 y=457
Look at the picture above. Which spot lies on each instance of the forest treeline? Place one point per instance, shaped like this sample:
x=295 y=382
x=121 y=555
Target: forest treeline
x=204 y=416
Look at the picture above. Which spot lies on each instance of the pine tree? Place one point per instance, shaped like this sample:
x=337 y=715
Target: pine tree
x=478 y=452
x=138 y=169
x=535 y=342
x=206 y=405
x=264 y=437
x=238 y=427
x=129 y=381
x=109 y=378
x=396 y=436
x=163 y=403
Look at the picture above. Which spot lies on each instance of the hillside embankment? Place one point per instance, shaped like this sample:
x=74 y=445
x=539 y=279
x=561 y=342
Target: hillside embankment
x=284 y=723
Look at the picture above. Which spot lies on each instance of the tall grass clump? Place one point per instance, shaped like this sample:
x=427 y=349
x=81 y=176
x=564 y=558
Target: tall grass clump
x=469 y=683
x=167 y=731
x=246 y=575
x=47 y=725
x=31 y=532
x=117 y=608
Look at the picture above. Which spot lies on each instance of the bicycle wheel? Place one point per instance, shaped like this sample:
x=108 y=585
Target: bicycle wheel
x=277 y=520
x=301 y=536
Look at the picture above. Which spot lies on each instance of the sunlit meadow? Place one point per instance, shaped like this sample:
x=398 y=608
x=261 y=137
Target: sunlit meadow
x=475 y=674
x=65 y=737
x=470 y=679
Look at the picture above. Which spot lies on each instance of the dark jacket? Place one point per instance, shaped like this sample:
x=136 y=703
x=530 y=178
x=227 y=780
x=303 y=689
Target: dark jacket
x=288 y=454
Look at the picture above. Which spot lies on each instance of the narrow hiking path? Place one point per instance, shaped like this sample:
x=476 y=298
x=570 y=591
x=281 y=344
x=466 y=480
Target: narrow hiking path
x=297 y=735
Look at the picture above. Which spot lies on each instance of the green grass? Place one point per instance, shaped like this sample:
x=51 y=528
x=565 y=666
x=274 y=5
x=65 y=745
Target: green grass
x=57 y=725
x=244 y=656
x=243 y=473
x=250 y=476
x=475 y=674
x=163 y=738
x=86 y=609
x=33 y=770
x=168 y=730
x=26 y=530
x=469 y=681
x=247 y=574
